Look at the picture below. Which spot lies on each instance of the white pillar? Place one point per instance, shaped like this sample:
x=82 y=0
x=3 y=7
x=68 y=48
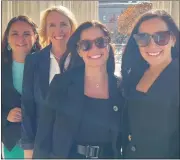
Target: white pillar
x=83 y=10
x=172 y=7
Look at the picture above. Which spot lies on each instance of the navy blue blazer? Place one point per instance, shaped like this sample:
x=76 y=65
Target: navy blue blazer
x=11 y=132
x=35 y=86
x=61 y=116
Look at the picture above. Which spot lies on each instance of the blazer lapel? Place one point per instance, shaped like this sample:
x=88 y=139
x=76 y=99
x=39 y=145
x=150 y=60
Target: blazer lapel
x=44 y=67
x=7 y=82
x=76 y=94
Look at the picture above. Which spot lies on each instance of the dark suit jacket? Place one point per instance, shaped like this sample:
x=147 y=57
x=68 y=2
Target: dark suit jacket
x=154 y=118
x=62 y=114
x=35 y=85
x=11 y=132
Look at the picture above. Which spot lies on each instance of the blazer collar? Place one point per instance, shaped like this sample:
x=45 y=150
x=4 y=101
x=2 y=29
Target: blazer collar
x=44 y=67
x=8 y=77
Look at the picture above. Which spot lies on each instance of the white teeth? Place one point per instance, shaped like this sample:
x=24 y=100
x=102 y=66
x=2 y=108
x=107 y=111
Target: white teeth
x=96 y=56
x=20 y=45
x=153 y=53
x=61 y=37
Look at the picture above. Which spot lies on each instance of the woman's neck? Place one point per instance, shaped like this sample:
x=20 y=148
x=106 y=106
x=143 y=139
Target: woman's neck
x=96 y=74
x=160 y=67
x=58 y=51
x=96 y=82
x=18 y=57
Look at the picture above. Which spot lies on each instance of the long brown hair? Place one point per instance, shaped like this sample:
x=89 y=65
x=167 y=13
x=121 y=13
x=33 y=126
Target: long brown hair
x=76 y=60
x=6 y=54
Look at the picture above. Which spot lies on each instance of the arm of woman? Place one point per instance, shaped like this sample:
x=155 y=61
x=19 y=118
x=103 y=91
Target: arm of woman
x=28 y=107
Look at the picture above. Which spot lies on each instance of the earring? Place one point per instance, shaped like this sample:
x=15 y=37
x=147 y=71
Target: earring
x=34 y=46
x=9 y=47
x=108 y=48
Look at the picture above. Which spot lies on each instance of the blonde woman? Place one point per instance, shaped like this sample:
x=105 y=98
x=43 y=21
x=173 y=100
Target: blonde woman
x=57 y=25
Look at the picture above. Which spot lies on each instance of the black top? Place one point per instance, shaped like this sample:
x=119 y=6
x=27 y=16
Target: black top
x=97 y=122
x=154 y=117
x=96 y=126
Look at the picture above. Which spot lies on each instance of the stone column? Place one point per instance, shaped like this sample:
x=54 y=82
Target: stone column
x=172 y=7
x=83 y=10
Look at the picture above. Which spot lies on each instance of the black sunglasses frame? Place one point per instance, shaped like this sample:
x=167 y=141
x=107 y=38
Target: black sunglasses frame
x=154 y=37
x=106 y=41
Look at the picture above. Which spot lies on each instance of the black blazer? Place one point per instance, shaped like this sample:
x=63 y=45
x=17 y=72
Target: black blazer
x=35 y=86
x=154 y=118
x=11 y=132
x=62 y=114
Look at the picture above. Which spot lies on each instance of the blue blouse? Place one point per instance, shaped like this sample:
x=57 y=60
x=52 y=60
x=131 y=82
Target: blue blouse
x=17 y=74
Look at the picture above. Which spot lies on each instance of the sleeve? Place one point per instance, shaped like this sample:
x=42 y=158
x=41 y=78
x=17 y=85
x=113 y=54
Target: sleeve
x=28 y=105
x=174 y=140
x=43 y=141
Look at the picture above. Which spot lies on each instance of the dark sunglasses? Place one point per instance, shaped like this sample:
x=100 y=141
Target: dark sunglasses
x=160 y=38
x=100 y=42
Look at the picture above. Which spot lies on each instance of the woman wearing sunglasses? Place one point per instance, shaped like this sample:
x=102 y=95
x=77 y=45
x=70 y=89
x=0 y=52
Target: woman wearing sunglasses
x=150 y=71
x=83 y=109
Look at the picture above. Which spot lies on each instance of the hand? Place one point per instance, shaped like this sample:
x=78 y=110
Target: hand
x=28 y=154
x=15 y=115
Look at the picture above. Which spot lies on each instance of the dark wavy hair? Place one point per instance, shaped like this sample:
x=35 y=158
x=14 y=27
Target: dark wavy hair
x=132 y=61
x=76 y=60
x=6 y=54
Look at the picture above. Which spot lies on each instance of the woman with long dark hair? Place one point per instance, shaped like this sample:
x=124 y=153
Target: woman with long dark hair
x=81 y=117
x=150 y=71
x=20 y=39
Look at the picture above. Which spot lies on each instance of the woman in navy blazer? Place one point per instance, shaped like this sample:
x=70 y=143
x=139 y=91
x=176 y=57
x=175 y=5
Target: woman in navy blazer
x=57 y=24
x=150 y=71
x=20 y=38
x=82 y=113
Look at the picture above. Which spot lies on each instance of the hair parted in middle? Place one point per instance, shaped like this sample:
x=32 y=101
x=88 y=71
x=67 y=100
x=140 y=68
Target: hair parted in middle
x=61 y=10
x=72 y=47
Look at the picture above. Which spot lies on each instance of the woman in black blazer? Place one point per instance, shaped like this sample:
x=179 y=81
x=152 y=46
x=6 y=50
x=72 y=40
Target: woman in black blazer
x=150 y=71
x=57 y=24
x=20 y=38
x=82 y=113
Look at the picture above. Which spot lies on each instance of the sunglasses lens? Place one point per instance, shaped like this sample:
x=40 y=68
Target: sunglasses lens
x=85 y=45
x=142 y=39
x=162 y=38
x=101 y=42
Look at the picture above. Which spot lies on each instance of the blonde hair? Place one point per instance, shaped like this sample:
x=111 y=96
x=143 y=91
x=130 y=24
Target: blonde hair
x=61 y=10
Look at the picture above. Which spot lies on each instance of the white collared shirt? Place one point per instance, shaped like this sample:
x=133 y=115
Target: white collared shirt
x=54 y=66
